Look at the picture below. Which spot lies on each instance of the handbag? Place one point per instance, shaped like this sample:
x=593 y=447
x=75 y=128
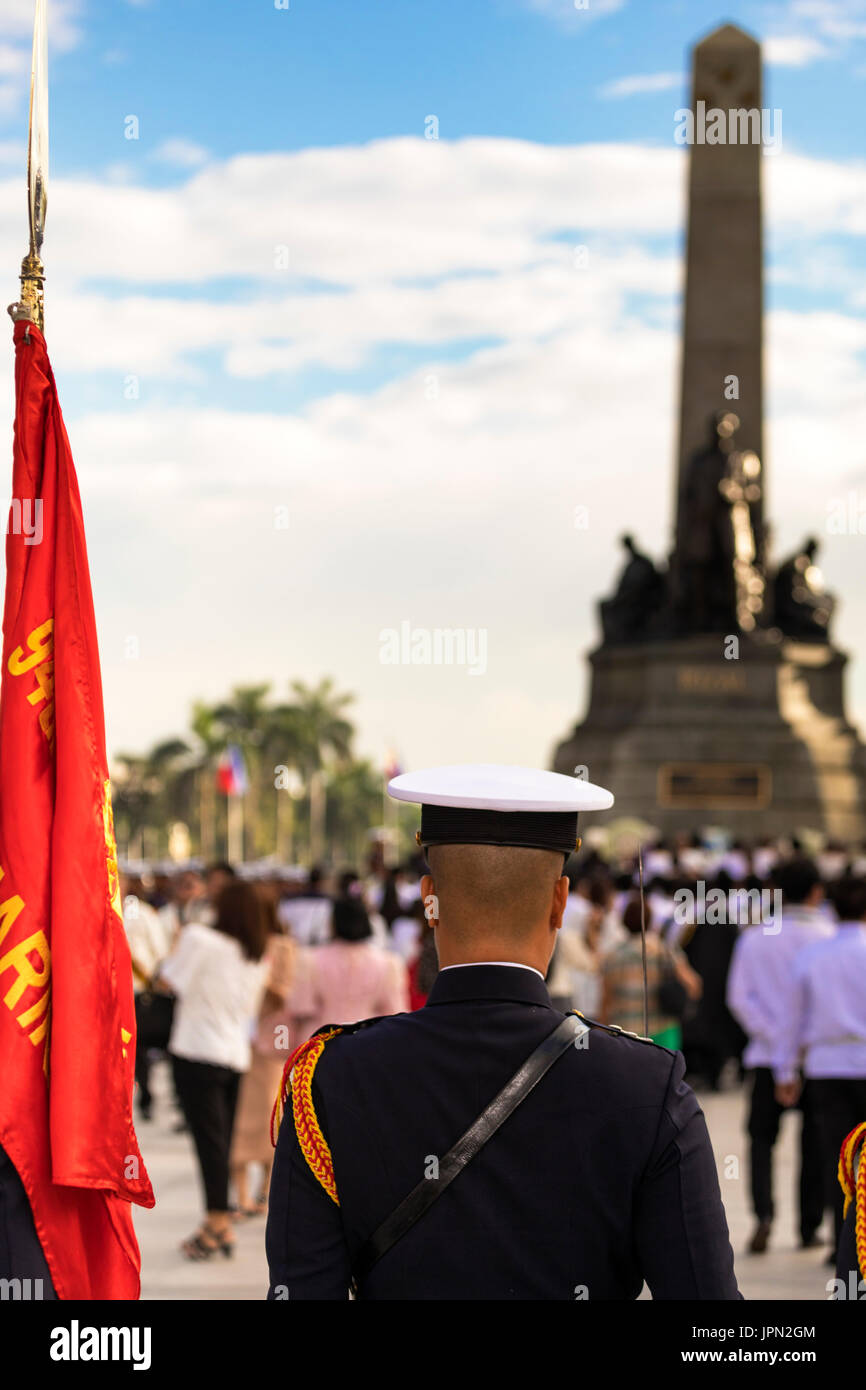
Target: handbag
x=422 y=1197
x=154 y=1013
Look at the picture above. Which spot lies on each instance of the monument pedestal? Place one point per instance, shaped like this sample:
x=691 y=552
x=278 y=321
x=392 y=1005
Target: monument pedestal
x=687 y=738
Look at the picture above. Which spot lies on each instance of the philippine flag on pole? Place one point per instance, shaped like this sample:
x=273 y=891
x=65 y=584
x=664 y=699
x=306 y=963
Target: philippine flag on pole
x=232 y=772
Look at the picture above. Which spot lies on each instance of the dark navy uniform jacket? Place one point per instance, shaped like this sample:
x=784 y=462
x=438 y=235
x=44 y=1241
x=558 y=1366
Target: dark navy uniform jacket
x=603 y=1177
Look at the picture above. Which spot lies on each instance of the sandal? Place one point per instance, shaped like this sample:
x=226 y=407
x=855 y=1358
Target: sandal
x=199 y=1246
x=244 y=1213
x=258 y=1208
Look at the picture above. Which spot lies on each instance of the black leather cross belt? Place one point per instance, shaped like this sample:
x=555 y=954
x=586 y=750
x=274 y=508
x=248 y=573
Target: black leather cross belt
x=422 y=1197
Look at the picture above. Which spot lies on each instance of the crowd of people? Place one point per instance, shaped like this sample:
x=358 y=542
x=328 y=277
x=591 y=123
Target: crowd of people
x=749 y=959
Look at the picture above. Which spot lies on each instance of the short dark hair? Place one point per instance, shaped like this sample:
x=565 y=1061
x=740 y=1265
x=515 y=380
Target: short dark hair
x=848 y=896
x=351 y=922
x=634 y=915
x=241 y=914
x=221 y=866
x=795 y=878
x=600 y=890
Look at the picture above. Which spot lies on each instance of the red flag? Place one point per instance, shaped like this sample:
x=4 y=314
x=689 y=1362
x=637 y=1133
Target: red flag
x=67 y=1022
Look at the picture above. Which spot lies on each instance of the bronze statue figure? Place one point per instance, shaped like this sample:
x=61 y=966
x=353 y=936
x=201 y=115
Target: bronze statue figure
x=802 y=607
x=628 y=614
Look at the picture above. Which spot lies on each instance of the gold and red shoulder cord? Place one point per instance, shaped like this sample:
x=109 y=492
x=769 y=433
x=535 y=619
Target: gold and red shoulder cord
x=855 y=1189
x=297 y=1082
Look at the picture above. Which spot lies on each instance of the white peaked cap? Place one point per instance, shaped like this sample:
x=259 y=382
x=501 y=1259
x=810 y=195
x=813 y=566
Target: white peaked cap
x=496 y=787
x=491 y=804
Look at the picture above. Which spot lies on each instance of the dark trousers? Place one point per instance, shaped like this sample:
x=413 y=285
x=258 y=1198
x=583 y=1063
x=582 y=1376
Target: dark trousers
x=841 y=1104
x=208 y=1095
x=153 y=1018
x=21 y=1257
x=764 y=1116
x=142 y=1076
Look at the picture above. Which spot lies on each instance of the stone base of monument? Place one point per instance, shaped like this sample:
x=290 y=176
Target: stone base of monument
x=686 y=738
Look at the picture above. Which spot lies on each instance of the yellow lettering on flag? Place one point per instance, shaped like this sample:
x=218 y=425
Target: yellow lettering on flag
x=111 y=850
x=9 y=910
x=29 y=974
x=40 y=644
x=17 y=958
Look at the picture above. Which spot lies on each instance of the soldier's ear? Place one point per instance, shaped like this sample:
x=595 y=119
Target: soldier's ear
x=560 y=897
x=430 y=900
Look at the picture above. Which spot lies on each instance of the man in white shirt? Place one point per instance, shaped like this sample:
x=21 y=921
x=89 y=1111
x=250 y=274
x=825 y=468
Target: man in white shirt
x=149 y=943
x=760 y=996
x=189 y=904
x=307 y=918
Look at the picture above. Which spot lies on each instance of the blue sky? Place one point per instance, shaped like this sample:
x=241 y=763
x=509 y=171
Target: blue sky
x=283 y=295
x=237 y=77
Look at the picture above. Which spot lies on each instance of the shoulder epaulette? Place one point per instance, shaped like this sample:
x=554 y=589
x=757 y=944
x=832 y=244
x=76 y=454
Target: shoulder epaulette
x=615 y=1030
x=852 y=1179
x=297 y=1083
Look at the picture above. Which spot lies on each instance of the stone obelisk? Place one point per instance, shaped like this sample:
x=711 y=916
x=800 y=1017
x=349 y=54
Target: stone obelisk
x=722 y=322
x=716 y=694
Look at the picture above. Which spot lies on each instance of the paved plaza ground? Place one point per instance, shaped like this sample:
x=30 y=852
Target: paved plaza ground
x=784 y=1272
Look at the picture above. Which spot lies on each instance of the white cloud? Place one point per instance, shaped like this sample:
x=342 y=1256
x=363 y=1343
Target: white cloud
x=393 y=209
x=792 y=50
x=840 y=20
x=184 y=154
x=13 y=153
x=14 y=72
x=818 y=29
x=457 y=511
x=13 y=61
x=285 y=333
x=64 y=32
x=16 y=45
x=400 y=209
x=569 y=13
x=482 y=247
x=642 y=83
x=450 y=508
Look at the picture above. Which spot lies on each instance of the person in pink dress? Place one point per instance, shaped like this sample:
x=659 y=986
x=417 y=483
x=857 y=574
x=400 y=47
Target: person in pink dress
x=350 y=977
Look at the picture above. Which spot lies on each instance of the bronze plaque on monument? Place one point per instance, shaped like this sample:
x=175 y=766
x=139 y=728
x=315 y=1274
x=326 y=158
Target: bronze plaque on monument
x=715 y=786
x=708 y=680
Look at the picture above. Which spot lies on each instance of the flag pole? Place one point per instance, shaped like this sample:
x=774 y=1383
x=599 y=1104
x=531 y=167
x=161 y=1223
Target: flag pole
x=235 y=828
x=31 y=305
x=643 y=942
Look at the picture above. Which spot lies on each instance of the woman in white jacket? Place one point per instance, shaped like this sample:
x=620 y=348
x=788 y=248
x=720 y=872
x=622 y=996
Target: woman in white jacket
x=218 y=974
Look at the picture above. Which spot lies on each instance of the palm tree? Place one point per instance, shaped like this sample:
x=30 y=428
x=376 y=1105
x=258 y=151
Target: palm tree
x=310 y=734
x=211 y=744
x=134 y=791
x=151 y=791
x=354 y=805
x=322 y=730
x=282 y=749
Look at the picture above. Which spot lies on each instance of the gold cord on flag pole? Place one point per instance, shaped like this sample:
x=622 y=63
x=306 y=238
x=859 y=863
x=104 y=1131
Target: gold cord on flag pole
x=31 y=305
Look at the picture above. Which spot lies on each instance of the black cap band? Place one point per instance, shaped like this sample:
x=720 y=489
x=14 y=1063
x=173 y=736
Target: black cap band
x=458 y=825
